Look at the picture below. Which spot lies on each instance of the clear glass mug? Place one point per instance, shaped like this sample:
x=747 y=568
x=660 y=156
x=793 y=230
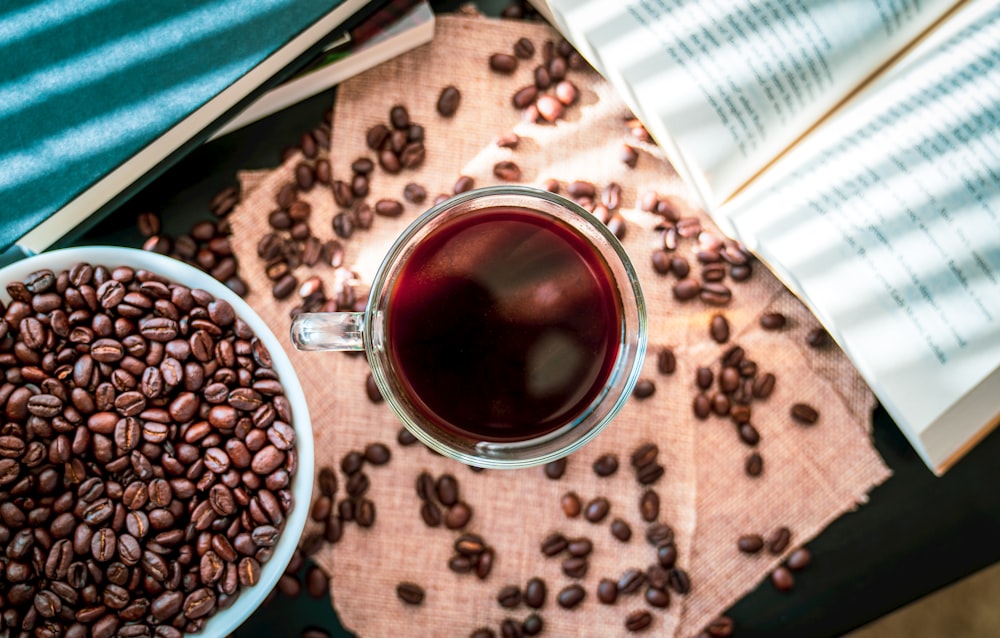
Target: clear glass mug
x=505 y=327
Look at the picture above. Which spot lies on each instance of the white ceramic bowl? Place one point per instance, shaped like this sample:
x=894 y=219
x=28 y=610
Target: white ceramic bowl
x=225 y=621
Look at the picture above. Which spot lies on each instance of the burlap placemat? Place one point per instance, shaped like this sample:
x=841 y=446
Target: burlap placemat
x=811 y=475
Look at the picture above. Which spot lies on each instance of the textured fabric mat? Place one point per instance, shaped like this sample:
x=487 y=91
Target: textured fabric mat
x=811 y=475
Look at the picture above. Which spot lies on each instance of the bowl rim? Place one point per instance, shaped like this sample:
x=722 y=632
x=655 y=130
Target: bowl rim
x=223 y=621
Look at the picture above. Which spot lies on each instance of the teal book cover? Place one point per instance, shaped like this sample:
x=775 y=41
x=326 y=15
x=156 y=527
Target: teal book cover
x=95 y=95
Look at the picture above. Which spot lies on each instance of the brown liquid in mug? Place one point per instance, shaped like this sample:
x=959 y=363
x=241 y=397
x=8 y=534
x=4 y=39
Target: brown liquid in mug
x=503 y=325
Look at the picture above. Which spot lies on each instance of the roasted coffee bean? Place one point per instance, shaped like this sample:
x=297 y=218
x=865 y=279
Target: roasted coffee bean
x=532 y=625
x=799 y=559
x=818 y=338
x=405 y=438
x=644 y=388
x=804 y=414
x=719 y=328
x=410 y=593
x=507 y=171
x=388 y=208
x=750 y=543
x=448 y=101
x=754 y=465
x=446 y=490
x=510 y=628
x=607 y=591
x=631 y=581
x=377 y=454
x=721 y=627
x=763 y=385
x=597 y=509
x=509 y=596
x=658 y=598
x=469 y=545
x=649 y=474
x=571 y=504
x=571 y=596
x=659 y=533
x=524 y=48
x=414 y=193
x=508 y=140
x=524 y=97
x=575 y=567
x=606 y=465
x=554 y=543
x=638 y=620
x=778 y=541
x=621 y=530
x=782 y=579
x=461 y=564
x=484 y=563
x=457 y=516
x=431 y=514
x=748 y=434
x=666 y=554
x=772 y=321
x=462 y=184
x=535 y=592
x=679 y=581
x=555 y=469
x=649 y=506
x=503 y=63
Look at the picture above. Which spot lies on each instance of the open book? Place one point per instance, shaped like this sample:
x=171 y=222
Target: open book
x=854 y=146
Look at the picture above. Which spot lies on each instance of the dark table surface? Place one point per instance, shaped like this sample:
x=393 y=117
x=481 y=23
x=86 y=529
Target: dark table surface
x=917 y=534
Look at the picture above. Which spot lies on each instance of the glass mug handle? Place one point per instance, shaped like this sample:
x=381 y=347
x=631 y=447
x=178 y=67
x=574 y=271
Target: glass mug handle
x=313 y=331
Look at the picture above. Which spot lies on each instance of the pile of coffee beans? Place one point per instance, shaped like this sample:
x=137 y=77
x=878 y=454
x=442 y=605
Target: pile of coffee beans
x=146 y=457
x=551 y=92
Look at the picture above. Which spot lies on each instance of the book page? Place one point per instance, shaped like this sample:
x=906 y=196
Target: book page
x=726 y=85
x=891 y=233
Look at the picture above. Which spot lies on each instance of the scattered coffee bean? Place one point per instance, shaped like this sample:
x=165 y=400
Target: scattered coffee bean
x=607 y=591
x=503 y=63
x=535 y=592
x=750 y=543
x=748 y=434
x=754 y=465
x=532 y=625
x=621 y=530
x=553 y=544
x=719 y=328
x=446 y=490
x=606 y=465
x=804 y=414
x=377 y=453
x=658 y=598
x=597 y=509
x=638 y=620
x=405 y=438
x=371 y=389
x=818 y=338
x=555 y=469
x=463 y=184
x=721 y=627
x=448 y=101
x=778 y=541
x=457 y=516
x=679 y=581
x=317 y=582
x=575 y=567
x=507 y=171
x=772 y=321
x=649 y=506
x=666 y=554
x=782 y=579
x=509 y=596
x=524 y=48
x=410 y=593
x=799 y=559
x=571 y=596
x=414 y=193
x=631 y=581
x=659 y=533
x=644 y=388
x=571 y=504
